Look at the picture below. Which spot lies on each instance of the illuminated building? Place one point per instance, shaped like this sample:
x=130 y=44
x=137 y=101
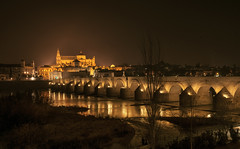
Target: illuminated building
x=20 y=71
x=68 y=67
x=44 y=71
x=79 y=60
x=28 y=69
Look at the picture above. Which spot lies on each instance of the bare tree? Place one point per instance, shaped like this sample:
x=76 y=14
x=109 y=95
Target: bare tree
x=151 y=56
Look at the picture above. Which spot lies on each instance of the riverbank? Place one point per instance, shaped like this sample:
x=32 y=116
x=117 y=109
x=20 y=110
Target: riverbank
x=28 y=125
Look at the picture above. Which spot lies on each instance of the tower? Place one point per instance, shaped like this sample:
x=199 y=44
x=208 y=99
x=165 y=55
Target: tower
x=23 y=63
x=58 y=57
x=93 y=61
x=33 y=68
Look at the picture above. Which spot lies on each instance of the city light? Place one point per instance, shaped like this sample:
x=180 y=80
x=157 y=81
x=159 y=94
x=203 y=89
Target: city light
x=209 y=116
x=32 y=78
x=225 y=96
x=162 y=91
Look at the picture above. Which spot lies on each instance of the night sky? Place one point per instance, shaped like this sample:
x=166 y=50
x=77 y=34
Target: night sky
x=202 y=31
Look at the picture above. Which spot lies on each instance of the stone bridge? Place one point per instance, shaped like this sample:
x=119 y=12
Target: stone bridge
x=186 y=90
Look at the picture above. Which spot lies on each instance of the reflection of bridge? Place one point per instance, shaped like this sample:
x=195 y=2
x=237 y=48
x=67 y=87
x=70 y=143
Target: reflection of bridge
x=187 y=90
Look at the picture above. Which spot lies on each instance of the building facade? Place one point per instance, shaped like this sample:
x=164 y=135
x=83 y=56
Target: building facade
x=20 y=71
x=79 y=60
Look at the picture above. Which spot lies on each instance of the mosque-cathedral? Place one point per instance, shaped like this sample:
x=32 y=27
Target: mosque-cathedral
x=79 y=60
x=67 y=64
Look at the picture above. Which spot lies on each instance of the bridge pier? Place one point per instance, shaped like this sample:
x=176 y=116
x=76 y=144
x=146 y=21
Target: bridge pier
x=126 y=93
x=140 y=94
x=70 y=87
x=112 y=92
x=161 y=97
x=224 y=100
x=100 y=91
x=79 y=89
x=63 y=87
x=54 y=87
x=188 y=98
x=89 y=89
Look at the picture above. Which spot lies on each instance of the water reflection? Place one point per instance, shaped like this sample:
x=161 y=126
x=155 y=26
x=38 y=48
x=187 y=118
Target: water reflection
x=114 y=107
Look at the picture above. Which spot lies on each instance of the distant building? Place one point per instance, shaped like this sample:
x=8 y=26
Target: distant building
x=20 y=71
x=79 y=60
x=68 y=66
x=43 y=71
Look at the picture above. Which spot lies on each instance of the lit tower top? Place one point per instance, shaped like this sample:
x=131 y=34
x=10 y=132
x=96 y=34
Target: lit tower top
x=58 y=57
x=58 y=52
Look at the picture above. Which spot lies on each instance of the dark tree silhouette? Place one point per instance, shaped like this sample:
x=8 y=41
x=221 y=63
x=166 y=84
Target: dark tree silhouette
x=151 y=57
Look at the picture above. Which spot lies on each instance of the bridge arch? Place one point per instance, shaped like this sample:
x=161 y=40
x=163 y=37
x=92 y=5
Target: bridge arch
x=236 y=94
x=119 y=83
x=205 y=95
x=107 y=83
x=174 y=91
x=134 y=84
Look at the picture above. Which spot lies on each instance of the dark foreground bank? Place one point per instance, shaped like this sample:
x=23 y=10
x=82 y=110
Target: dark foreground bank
x=24 y=124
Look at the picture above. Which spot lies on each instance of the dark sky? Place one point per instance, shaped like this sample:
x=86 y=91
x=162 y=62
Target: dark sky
x=205 y=31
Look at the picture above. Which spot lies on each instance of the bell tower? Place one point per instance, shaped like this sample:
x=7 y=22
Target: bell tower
x=58 y=57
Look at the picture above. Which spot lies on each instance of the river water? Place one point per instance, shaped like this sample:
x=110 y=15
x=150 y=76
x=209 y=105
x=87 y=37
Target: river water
x=122 y=108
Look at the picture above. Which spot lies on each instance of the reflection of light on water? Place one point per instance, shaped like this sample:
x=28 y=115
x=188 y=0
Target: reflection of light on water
x=89 y=105
x=114 y=108
x=54 y=96
x=99 y=107
x=143 y=111
x=161 y=112
x=64 y=96
x=49 y=94
x=71 y=96
x=59 y=96
x=109 y=107
x=124 y=111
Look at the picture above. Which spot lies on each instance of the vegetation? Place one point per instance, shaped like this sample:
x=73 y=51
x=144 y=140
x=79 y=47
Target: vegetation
x=151 y=57
x=24 y=124
x=207 y=140
x=185 y=122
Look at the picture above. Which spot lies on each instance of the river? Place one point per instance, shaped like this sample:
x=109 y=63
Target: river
x=122 y=108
